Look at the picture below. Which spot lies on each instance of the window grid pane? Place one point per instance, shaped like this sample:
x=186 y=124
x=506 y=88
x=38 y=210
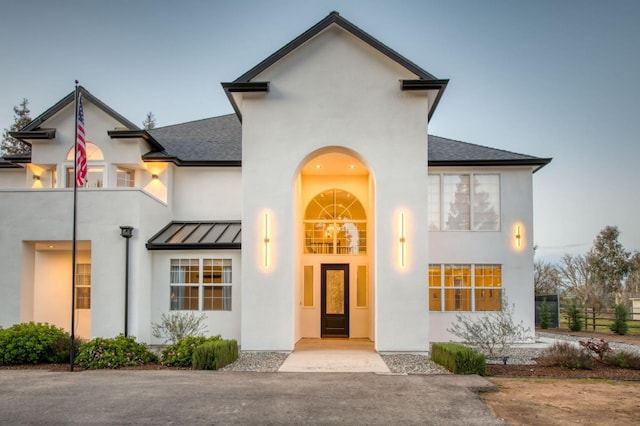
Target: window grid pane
x=486 y=202
x=456 y=200
x=433 y=216
x=83 y=286
x=188 y=279
x=184 y=298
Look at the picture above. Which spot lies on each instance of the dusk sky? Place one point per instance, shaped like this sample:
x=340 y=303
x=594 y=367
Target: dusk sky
x=549 y=78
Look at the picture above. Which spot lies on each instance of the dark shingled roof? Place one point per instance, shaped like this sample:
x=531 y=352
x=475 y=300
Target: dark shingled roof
x=210 y=141
x=450 y=152
x=218 y=141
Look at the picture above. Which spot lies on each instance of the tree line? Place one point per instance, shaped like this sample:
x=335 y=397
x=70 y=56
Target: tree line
x=606 y=276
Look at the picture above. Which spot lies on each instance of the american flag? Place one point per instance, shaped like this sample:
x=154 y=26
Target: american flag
x=81 y=147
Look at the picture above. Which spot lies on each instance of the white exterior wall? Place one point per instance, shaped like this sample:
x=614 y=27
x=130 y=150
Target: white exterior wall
x=224 y=323
x=447 y=247
x=334 y=91
x=207 y=193
x=13 y=178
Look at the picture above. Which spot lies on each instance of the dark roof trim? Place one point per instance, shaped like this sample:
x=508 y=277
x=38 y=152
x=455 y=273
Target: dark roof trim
x=36 y=122
x=8 y=165
x=136 y=134
x=18 y=158
x=34 y=134
x=189 y=235
x=334 y=18
x=418 y=85
x=158 y=157
x=540 y=162
x=252 y=86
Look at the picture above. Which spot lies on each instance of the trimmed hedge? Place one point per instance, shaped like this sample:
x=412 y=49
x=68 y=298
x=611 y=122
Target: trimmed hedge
x=33 y=343
x=458 y=359
x=180 y=354
x=215 y=355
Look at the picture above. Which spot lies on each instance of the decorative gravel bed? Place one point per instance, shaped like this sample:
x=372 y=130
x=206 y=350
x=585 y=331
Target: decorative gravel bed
x=266 y=362
x=412 y=364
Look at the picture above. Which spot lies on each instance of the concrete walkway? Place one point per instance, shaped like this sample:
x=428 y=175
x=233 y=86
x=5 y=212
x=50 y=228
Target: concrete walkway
x=334 y=356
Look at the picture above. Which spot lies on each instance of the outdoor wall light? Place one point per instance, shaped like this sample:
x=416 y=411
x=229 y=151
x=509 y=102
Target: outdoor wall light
x=154 y=177
x=266 y=240
x=402 y=240
x=518 y=237
x=36 y=177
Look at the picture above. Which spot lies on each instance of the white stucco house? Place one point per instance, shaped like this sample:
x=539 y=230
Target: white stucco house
x=321 y=207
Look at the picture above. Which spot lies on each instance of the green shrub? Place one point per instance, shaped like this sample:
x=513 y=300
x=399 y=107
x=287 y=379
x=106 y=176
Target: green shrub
x=574 y=316
x=226 y=352
x=620 y=325
x=116 y=352
x=33 y=343
x=623 y=359
x=458 y=359
x=545 y=314
x=180 y=354
x=564 y=354
x=204 y=356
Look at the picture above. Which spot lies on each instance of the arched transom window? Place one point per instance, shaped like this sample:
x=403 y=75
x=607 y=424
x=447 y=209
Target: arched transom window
x=335 y=222
x=95 y=167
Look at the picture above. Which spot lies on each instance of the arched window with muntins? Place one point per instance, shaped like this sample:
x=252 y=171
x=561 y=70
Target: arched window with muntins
x=335 y=222
x=95 y=167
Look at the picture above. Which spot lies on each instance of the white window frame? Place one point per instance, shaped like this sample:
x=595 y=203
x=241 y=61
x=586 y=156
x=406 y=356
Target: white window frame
x=473 y=287
x=440 y=227
x=202 y=284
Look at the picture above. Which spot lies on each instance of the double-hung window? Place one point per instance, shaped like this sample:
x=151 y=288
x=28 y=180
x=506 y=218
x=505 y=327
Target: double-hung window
x=200 y=284
x=464 y=202
x=465 y=287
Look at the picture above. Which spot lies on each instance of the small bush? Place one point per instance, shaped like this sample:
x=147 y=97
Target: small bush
x=178 y=325
x=597 y=347
x=33 y=343
x=116 y=352
x=226 y=352
x=623 y=359
x=204 y=356
x=564 y=354
x=180 y=354
x=545 y=314
x=620 y=325
x=458 y=358
x=574 y=316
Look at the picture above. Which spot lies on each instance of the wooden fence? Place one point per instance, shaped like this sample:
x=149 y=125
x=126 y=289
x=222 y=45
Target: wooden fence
x=594 y=320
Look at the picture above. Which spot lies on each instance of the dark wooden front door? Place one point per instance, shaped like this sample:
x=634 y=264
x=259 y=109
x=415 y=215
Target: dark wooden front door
x=335 y=300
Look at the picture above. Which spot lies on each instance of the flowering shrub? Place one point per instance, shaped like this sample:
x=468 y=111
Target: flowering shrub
x=180 y=354
x=597 y=347
x=117 y=352
x=33 y=343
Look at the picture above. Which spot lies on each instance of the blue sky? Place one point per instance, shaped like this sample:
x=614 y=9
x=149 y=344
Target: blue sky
x=551 y=78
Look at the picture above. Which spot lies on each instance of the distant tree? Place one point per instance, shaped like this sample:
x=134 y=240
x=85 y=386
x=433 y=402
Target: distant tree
x=149 y=122
x=459 y=214
x=576 y=279
x=632 y=283
x=21 y=118
x=609 y=262
x=546 y=278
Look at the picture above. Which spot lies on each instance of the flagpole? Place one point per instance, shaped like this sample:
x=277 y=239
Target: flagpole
x=75 y=222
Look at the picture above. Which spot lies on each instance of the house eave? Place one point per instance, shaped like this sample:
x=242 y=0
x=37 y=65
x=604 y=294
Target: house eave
x=424 y=85
x=538 y=163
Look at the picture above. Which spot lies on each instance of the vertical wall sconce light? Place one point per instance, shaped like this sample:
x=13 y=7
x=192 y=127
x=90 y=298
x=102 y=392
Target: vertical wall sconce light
x=154 y=177
x=518 y=237
x=266 y=233
x=36 y=177
x=402 y=241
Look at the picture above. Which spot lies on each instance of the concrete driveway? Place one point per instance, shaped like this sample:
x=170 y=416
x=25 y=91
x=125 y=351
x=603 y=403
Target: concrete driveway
x=206 y=397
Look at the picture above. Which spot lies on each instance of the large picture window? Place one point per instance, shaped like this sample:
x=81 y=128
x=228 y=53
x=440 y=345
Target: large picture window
x=464 y=287
x=464 y=202
x=200 y=284
x=95 y=167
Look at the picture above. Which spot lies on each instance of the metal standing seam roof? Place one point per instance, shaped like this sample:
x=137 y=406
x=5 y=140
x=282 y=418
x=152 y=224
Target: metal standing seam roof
x=188 y=235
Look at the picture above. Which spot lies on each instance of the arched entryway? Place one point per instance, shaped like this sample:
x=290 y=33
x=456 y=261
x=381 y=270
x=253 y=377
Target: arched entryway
x=334 y=211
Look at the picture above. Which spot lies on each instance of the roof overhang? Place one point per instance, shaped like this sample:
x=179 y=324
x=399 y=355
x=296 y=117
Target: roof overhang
x=537 y=163
x=136 y=134
x=198 y=235
x=235 y=89
x=40 y=134
x=425 y=86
